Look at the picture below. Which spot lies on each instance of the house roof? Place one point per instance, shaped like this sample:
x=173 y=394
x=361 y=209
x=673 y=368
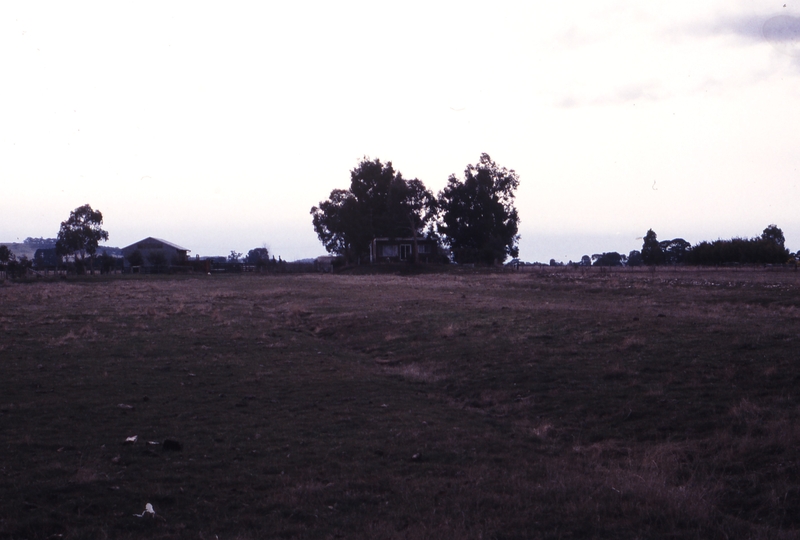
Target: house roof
x=169 y=244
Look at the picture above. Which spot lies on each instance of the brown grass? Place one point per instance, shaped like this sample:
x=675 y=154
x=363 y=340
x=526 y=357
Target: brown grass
x=549 y=403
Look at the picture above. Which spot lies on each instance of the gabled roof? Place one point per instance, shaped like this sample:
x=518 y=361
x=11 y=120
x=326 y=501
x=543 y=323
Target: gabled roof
x=170 y=244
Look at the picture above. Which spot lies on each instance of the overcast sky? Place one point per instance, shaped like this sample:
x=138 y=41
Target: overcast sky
x=217 y=126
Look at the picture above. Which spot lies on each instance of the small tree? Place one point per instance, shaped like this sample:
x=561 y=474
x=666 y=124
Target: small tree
x=5 y=255
x=80 y=235
x=674 y=251
x=18 y=267
x=608 y=259
x=773 y=234
x=258 y=257
x=635 y=258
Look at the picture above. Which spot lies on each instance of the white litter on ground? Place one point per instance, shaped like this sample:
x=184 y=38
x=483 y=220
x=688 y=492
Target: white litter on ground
x=148 y=509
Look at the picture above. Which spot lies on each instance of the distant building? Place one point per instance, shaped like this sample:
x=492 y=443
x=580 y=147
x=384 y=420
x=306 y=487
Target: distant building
x=156 y=254
x=324 y=263
x=402 y=249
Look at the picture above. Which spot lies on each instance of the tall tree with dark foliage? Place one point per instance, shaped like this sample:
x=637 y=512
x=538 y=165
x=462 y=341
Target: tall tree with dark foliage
x=652 y=252
x=80 y=235
x=379 y=203
x=479 y=221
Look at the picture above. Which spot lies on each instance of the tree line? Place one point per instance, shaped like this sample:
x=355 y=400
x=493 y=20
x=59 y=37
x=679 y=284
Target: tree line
x=769 y=248
x=473 y=216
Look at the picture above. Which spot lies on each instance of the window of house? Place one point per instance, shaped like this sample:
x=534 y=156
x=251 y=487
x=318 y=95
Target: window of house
x=389 y=251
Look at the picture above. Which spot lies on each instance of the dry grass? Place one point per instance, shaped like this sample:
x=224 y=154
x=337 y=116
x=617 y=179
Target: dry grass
x=540 y=404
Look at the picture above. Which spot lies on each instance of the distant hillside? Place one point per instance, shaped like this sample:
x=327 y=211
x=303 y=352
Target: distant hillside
x=28 y=248
x=22 y=250
x=113 y=251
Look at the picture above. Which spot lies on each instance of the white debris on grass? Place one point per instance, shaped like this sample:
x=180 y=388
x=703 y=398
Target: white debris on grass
x=132 y=439
x=148 y=509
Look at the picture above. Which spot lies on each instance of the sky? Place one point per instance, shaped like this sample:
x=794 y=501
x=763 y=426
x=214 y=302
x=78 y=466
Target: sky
x=217 y=126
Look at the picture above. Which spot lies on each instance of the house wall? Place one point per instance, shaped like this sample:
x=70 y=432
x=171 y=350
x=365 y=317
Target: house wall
x=392 y=250
x=148 y=247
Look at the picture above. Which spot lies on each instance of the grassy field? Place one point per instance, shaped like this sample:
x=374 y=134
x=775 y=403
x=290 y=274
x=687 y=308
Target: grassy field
x=553 y=404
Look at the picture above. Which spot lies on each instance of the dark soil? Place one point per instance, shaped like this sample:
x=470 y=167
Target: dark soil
x=556 y=403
